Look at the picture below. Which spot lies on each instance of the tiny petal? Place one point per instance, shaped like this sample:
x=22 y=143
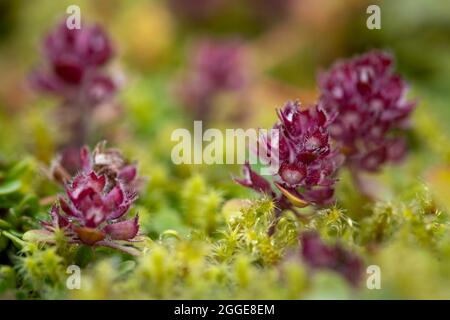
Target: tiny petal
x=57 y=220
x=253 y=180
x=292 y=174
x=119 y=211
x=114 y=198
x=98 y=182
x=124 y=230
x=128 y=173
x=67 y=208
x=69 y=69
x=86 y=162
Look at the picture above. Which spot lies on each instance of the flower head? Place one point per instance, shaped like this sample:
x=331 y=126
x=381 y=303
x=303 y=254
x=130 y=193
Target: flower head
x=96 y=200
x=92 y=212
x=369 y=104
x=74 y=60
x=319 y=255
x=307 y=161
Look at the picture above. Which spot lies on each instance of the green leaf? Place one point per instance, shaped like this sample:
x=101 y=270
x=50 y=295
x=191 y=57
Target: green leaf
x=18 y=169
x=4 y=224
x=10 y=187
x=84 y=255
x=38 y=236
x=7 y=278
x=127 y=267
x=16 y=240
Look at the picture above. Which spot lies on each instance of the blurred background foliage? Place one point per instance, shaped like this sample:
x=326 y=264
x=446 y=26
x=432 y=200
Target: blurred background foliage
x=182 y=208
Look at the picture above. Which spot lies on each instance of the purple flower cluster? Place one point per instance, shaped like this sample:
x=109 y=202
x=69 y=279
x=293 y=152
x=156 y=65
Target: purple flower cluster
x=92 y=212
x=307 y=161
x=319 y=256
x=362 y=109
x=75 y=58
x=369 y=102
x=74 y=72
x=96 y=201
x=216 y=67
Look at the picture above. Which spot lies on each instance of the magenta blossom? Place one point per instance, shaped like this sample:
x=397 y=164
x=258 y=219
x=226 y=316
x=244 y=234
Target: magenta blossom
x=96 y=201
x=216 y=67
x=73 y=71
x=92 y=213
x=319 y=256
x=369 y=103
x=307 y=161
x=74 y=60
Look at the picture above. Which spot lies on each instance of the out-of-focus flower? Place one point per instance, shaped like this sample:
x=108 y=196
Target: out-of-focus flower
x=92 y=213
x=73 y=71
x=307 y=161
x=216 y=67
x=318 y=255
x=369 y=105
x=74 y=60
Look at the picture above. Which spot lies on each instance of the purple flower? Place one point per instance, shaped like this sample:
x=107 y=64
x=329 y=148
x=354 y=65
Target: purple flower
x=96 y=200
x=216 y=67
x=370 y=108
x=254 y=181
x=92 y=212
x=307 y=161
x=74 y=60
x=73 y=71
x=317 y=255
